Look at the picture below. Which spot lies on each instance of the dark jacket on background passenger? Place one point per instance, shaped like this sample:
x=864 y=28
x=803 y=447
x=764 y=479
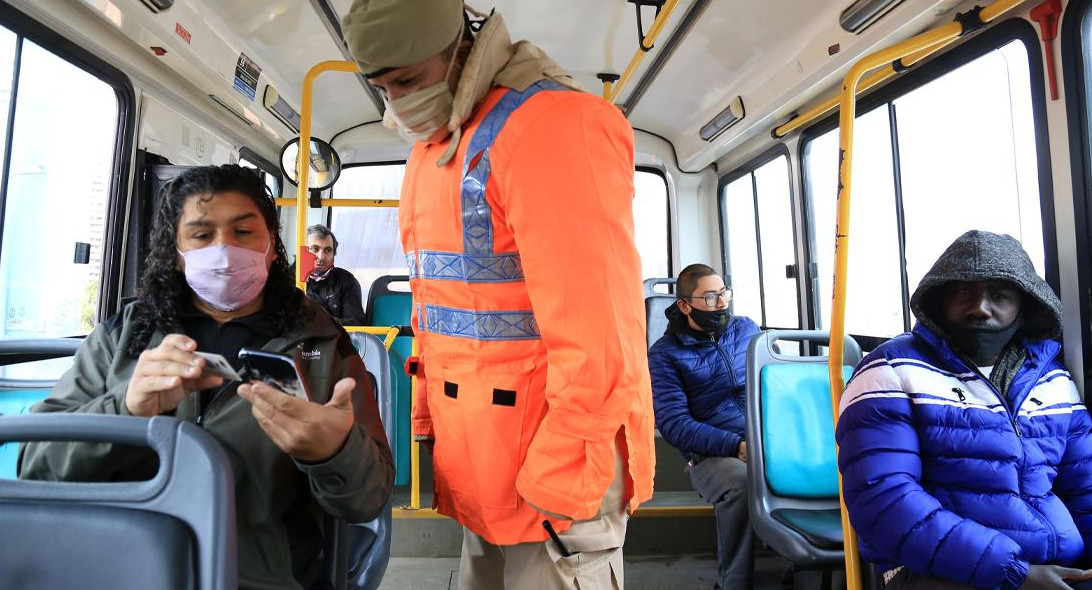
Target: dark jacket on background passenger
x=699 y=385
x=339 y=294
x=964 y=476
x=275 y=496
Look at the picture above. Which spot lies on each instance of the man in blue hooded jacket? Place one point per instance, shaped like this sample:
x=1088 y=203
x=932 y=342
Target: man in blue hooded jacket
x=965 y=449
x=698 y=369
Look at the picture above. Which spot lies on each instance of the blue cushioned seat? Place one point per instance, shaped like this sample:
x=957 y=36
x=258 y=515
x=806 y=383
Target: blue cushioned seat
x=389 y=307
x=792 y=467
x=798 y=430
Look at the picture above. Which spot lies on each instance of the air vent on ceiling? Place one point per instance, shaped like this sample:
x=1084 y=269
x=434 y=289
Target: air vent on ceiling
x=280 y=108
x=158 y=6
x=226 y=107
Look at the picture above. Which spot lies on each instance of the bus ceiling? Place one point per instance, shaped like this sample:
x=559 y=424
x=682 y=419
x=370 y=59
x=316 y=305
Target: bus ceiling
x=697 y=61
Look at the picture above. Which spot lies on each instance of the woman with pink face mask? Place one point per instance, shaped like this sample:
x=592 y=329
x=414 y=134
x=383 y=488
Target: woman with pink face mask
x=217 y=280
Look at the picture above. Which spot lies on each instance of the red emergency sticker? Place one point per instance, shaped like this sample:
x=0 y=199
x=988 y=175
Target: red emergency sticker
x=182 y=32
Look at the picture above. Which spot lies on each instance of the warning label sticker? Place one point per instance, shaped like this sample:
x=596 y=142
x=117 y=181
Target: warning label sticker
x=246 y=76
x=182 y=32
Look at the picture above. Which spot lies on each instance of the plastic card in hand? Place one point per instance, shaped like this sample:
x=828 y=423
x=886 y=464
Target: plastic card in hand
x=216 y=364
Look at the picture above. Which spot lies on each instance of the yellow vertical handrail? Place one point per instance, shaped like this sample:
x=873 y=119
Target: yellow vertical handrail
x=919 y=46
x=301 y=204
x=304 y=156
x=415 y=447
x=639 y=56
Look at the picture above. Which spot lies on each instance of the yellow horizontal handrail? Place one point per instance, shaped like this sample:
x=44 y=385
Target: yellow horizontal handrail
x=643 y=511
x=342 y=202
x=874 y=79
x=389 y=333
x=639 y=56
x=895 y=66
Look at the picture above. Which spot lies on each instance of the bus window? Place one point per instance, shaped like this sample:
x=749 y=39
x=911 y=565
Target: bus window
x=369 y=245
x=875 y=284
x=757 y=210
x=937 y=173
x=950 y=180
x=7 y=70
x=58 y=184
x=650 y=223
x=271 y=178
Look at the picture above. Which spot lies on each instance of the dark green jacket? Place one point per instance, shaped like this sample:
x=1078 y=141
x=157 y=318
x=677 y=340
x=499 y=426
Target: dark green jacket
x=271 y=489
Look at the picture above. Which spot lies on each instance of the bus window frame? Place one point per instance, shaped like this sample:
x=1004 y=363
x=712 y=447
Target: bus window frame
x=667 y=204
x=330 y=210
x=650 y=169
x=113 y=258
x=328 y=218
x=265 y=165
x=1078 y=98
x=990 y=39
x=748 y=168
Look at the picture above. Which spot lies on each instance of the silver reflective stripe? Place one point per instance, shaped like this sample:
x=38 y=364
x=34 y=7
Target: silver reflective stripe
x=477 y=218
x=470 y=268
x=890 y=574
x=481 y=325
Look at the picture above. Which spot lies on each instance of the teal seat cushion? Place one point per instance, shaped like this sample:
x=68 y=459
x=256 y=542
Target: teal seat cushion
x=14 y=402
x=798 y=430
x=393 y=309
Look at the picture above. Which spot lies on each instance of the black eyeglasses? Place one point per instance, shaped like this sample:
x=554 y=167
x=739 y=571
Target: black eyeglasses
x=711 y=299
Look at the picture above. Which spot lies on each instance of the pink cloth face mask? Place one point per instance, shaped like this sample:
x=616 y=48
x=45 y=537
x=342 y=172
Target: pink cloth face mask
x=226 y=277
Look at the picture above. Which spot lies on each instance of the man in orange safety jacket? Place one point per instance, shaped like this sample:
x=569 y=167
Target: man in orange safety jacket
x=516 y=219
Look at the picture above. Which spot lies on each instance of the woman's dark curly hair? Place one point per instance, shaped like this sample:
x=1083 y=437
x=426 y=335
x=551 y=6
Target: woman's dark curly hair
x=163 y=288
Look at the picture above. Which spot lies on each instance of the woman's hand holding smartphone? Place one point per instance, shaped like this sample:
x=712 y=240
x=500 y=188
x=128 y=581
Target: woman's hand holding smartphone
x=306 y=430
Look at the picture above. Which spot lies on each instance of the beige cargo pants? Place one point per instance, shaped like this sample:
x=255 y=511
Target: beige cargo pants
x=595 y=547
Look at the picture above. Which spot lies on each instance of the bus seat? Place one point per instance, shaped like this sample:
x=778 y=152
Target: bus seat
x=388 y=307
x=17 y=395
x=792 y=467
x=364 y=550
x=655 y=305
x=177 y=529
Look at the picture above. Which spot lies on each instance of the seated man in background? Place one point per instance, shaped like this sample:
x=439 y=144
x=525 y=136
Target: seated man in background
x=698 y=391
x=335 y=289
x=965 y=449
x=217 y=280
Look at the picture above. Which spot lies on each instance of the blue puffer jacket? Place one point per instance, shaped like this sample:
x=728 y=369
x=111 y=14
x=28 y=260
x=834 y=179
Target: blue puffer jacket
x=698 y=386
x=944 y=474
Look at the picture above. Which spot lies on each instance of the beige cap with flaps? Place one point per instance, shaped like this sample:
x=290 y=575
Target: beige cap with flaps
x=384 y=34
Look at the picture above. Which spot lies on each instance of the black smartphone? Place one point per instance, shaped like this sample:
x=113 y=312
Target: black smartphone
x=276 y=370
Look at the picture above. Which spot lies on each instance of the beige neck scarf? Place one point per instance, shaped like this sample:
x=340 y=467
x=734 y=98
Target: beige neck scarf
x=495 y=60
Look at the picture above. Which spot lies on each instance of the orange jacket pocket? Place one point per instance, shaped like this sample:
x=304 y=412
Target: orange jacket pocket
x=478 y=413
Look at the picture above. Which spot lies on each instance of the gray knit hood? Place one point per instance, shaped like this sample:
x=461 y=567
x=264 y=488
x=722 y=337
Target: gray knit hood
x=983 y=256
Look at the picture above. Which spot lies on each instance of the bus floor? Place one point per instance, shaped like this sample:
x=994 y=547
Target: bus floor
x=642 y=572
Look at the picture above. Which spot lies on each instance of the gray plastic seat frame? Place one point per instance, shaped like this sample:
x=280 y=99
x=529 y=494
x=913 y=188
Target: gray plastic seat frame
x=762 y=500
x=194 y=483
x=366 y=571
x=655 y=304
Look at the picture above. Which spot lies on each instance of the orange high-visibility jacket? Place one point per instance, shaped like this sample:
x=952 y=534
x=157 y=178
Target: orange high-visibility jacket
x=528 y=312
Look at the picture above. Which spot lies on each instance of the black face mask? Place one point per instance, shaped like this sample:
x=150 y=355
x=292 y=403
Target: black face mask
x=713 y=322
x=983 y=345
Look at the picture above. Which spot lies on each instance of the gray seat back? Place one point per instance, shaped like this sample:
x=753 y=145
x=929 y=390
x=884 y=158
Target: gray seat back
x=176 y=530
x=791 y=464
x=655 y=305
x=366 y=548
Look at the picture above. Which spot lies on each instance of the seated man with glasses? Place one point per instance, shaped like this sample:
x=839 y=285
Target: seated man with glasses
x=698 y=391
